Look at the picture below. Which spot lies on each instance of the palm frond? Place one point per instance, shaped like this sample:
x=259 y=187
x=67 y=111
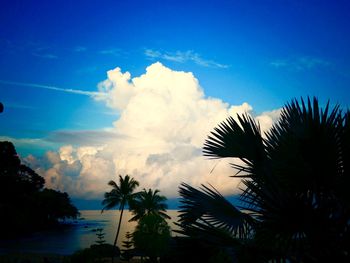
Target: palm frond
x=208 y=207
x=120 y=194
x=295 y=185
x=240 y=139
x=209 y=234
x=148 y=202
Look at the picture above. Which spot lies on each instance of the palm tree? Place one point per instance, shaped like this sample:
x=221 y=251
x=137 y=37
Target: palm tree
x=295 y=203
x=120 y=195
x=148 y=202
x=152 y=236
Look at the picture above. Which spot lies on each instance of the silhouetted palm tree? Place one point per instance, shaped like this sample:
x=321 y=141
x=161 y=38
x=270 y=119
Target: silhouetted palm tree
x=295 y=203
x=152 y=236
x=120 y=195
x=148 y=202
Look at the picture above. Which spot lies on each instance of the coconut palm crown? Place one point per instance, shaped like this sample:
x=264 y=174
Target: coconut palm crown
x=119 y=196
x=295 y=203
x=148 y=202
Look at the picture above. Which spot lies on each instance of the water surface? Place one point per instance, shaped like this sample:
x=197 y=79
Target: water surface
x=80 y=235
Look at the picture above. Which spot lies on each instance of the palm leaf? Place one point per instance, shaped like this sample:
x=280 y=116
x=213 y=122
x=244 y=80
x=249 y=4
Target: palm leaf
x=240 y=139
x=148 y=202
x=208 y=208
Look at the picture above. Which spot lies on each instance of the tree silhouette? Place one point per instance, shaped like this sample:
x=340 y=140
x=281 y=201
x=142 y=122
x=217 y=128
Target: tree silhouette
x=120 y=195
x=100 y=236
x=152 y=236
x=127 y=245
x=295 y=203
x=148 y=202
x=22 y=195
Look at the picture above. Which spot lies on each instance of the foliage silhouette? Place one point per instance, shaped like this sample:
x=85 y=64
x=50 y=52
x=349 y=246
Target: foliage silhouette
x=23 y=196
x=295 y=199
x=100 y=236
x=127 y=247
x=120 y=195
x=94 y=254
x=128 y=243
x=146 y=203
x=152 y=236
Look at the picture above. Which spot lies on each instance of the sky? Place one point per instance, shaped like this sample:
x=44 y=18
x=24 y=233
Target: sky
x=94 y=89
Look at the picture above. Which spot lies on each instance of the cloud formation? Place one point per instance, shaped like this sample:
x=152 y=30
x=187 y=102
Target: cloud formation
x=73 y=91
x=164 y=119
x=83 y=137
x=182 y=57
x=300 y=63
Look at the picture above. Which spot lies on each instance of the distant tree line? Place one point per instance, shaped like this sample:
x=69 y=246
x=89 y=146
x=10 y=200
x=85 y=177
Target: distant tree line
x=25 y=204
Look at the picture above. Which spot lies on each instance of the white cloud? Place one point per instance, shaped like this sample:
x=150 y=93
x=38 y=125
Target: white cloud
x=28 y=142
x=34 y=85
x=164 y=120
x=182 y=57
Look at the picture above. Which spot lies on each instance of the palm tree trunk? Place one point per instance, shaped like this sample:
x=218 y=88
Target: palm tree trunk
x=120 y=222
x=121 y=208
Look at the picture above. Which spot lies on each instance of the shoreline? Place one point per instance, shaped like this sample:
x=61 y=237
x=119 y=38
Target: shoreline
x=77 y=234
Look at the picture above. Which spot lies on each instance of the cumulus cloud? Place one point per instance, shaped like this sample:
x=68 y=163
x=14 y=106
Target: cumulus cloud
x=164 y=119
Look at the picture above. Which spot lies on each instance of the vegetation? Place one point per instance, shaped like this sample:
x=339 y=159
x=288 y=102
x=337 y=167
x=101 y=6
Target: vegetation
x=95 y=254
x=152 y=236
x=128 y=243
x=120 y=195
x=23 y=196
x=100 y=236
x=295 y=200
x=146 y=203
x=127 y=246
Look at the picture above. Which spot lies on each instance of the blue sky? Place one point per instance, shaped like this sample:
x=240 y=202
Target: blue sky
x=261 y=52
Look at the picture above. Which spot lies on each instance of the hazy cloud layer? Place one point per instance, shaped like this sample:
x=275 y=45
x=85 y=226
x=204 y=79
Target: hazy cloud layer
x=83 y=137
x=182 y=57
x=34 y=85
x=164 y=119
x=300 y=63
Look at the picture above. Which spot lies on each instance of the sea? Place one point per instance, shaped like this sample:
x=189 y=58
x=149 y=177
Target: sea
x=80 y=234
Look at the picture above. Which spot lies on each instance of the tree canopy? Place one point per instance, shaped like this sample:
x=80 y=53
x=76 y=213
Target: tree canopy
x=25 y=204
x=148 y=202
